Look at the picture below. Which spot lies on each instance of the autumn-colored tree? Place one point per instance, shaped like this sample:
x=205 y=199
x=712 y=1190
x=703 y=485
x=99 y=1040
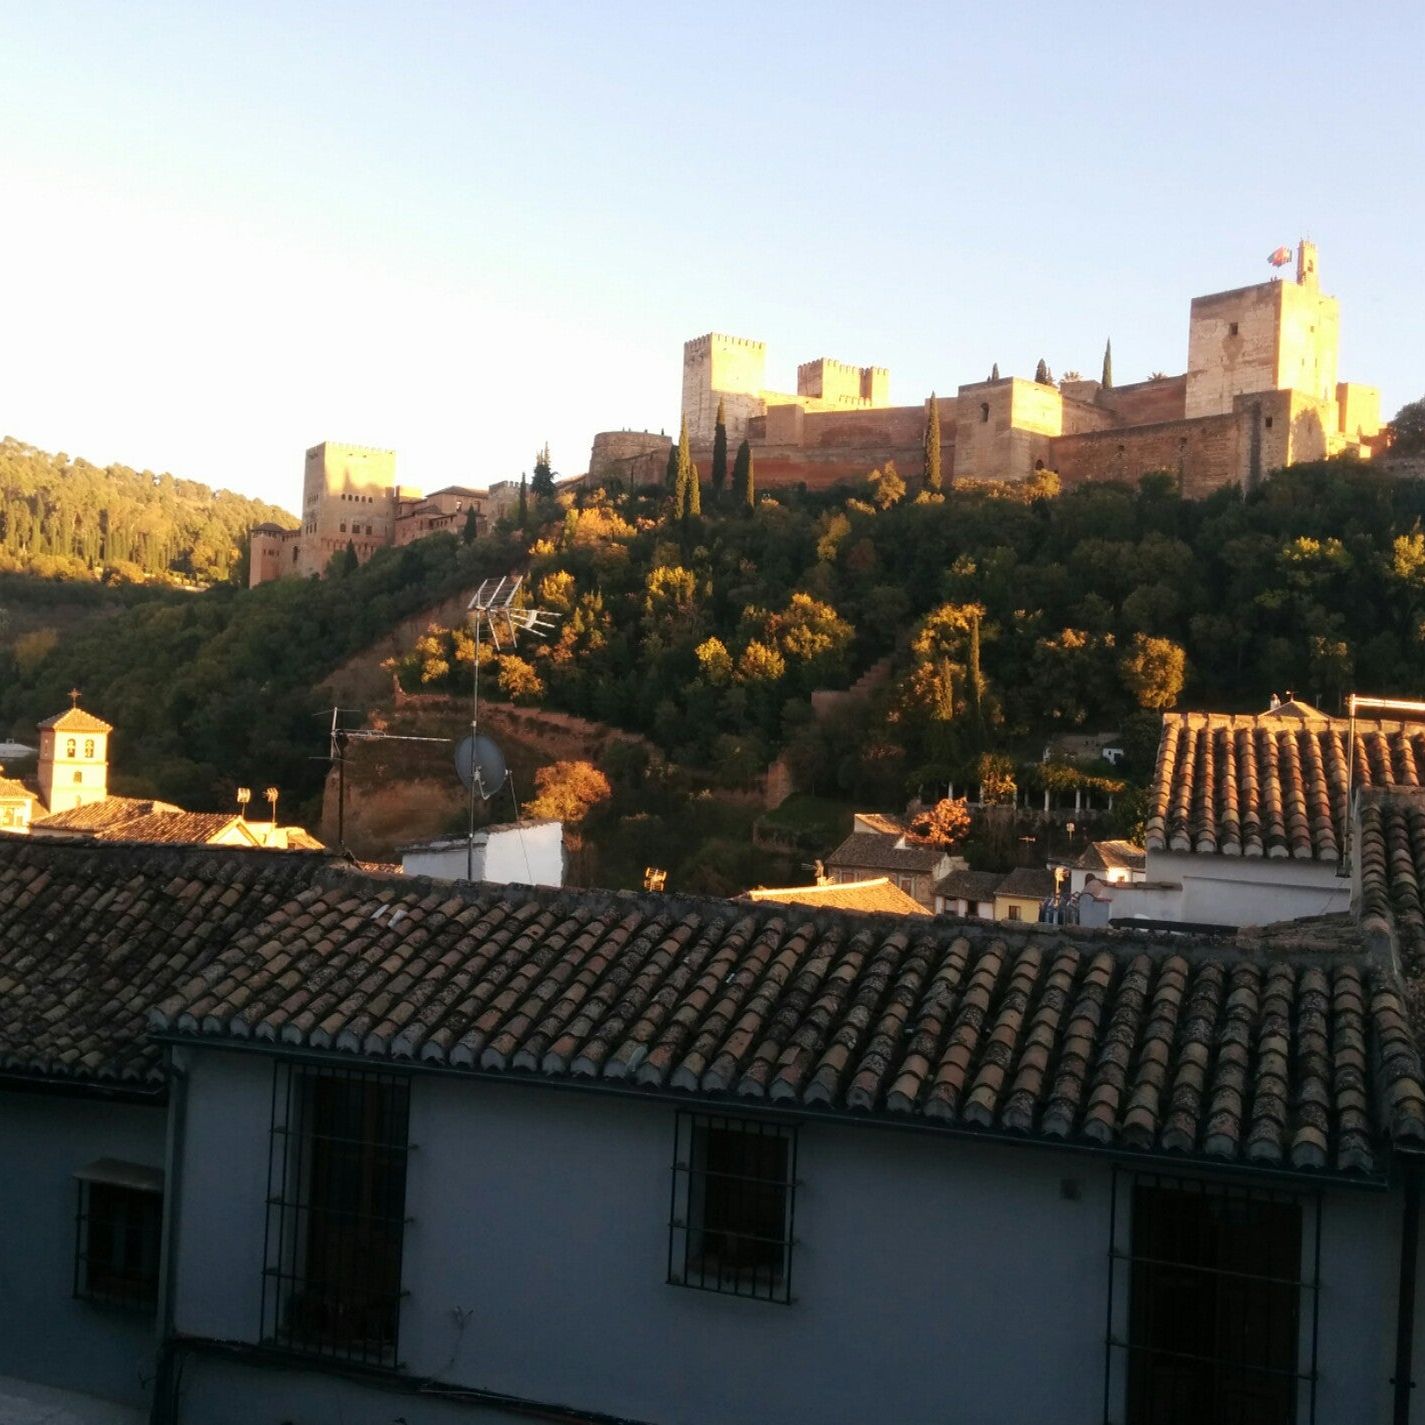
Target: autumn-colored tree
x=946 y=824
x=714 y=661
x=568 y=791
x=760 y=663
x=887 y=487
x=518 y=680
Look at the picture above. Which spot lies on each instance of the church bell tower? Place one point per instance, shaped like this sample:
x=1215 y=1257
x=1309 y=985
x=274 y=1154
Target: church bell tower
x=74 y=758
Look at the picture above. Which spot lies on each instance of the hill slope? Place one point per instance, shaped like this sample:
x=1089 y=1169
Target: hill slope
x=70 y=519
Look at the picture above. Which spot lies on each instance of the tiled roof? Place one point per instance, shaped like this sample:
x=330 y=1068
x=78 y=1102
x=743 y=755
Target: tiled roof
x=1104 y=1039
x=969 y=885
x=11 y=791
x=175 y=828
x=1270 y=785
x=91 y=935
x=880 y=822
x=1112 y=855
x=76 y=719
x=102 y=815
x=1033 y=882
x=880 y=853
x=878 y=895
x=1391 y=857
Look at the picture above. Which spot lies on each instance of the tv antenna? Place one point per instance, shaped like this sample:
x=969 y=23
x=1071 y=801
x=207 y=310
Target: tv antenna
x=479 y=763
x=341 y=738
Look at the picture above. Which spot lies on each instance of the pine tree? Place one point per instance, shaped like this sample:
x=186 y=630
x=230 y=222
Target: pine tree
x=543 y=483
x=932 y=444
x=1107 y=382
x=994 y=372
x=1041 y=373
x=744 y=481
x=719 y=456
x=524 y=502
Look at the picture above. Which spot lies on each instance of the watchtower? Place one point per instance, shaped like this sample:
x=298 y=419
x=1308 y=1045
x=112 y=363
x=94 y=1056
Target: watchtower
x=730 y=369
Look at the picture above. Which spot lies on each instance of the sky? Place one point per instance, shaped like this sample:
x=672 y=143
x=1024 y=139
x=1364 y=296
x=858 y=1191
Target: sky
x=458 y=230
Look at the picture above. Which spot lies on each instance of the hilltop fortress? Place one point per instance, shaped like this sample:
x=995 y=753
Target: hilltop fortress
x=1260 y=391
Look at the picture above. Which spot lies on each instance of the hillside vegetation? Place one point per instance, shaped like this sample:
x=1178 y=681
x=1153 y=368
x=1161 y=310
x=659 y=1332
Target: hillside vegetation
x=1009 y=614
x=63 y=518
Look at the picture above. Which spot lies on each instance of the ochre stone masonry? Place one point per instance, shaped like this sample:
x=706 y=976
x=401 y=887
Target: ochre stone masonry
x=1260 y=391
x=350 y=498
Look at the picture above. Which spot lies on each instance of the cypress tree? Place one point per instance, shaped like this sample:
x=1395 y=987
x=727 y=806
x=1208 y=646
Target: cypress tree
x=687 y=496
x=973 y=679
x=670 y=477
x=1107 y=382
x=719 y=458
x=932 y=444
x=472 y=526
x=994 y=372
x=524 y=503
x=349 y=560
x=1041 y=372
x=744 y=488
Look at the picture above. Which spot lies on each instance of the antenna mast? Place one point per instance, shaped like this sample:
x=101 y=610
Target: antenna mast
x=492 y=607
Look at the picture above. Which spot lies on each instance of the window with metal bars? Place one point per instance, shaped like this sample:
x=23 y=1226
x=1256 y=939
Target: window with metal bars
x=1213 y=1297
x=336 y=1205
x=118 y=1229
x=733 y=1209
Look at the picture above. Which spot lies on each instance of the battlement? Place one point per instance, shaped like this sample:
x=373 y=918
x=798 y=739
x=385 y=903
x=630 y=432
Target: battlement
x=339 y=445
x=710 y=339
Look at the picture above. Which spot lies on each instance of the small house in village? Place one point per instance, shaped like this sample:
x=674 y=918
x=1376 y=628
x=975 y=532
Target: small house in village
x=882 y=846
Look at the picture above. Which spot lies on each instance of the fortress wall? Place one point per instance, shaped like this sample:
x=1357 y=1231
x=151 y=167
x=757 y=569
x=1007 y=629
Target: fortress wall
x=1203 y=453
x=1147 y=402
x=637 y=457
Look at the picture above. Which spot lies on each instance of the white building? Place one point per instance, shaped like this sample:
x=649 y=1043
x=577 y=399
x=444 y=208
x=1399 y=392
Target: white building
x=526 y=853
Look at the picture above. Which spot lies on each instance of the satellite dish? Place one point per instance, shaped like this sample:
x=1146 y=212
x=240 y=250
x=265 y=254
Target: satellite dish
x=478 y=760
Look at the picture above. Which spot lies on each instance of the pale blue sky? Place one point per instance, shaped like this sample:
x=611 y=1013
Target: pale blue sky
x=459 y=229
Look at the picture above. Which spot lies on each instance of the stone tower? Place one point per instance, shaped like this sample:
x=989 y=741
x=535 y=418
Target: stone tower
x=726 y=368
x=1274 y=336
x=74 y=759
x=349 y=496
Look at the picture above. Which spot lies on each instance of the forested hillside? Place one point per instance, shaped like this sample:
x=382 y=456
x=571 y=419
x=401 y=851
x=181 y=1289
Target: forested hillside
x=64 y=518
x=1007 y=614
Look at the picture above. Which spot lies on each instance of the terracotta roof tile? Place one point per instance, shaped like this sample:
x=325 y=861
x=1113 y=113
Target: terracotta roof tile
x=76 y=719
x=1272 y=784
x=101 y=815
x=1205 y=1048
x=1035 y=882
x=969 y=885
x=877 y=895
x=880 y=853
x=91 y=936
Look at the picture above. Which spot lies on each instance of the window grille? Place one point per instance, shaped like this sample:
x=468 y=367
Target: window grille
x=118 y=1228
x=733 y=1209
x=1213 y=1298
x=336 y=1208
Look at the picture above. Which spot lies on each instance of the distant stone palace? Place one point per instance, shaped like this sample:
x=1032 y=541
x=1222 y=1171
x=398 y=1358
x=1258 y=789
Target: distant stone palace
x=1260 y=392
x=350 y=496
